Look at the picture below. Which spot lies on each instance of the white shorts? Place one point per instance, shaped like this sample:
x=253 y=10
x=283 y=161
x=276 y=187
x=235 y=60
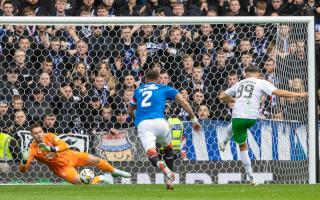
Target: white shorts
x=152 y=130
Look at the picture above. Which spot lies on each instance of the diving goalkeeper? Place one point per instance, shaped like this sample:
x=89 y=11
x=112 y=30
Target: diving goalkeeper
x=55 y=153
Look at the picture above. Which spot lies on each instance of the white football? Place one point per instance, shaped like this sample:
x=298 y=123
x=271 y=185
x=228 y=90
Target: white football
x=86 y=176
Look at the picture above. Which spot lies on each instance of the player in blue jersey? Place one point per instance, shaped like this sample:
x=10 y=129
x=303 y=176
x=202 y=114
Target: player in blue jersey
x=148 y=102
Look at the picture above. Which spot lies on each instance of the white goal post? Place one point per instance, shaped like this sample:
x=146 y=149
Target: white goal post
x=312 y=124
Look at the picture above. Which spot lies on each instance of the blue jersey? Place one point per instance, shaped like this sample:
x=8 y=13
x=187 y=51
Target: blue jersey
x=150 y=100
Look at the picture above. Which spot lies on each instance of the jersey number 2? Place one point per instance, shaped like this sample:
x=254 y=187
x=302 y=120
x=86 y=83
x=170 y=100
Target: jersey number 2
x=146 y=96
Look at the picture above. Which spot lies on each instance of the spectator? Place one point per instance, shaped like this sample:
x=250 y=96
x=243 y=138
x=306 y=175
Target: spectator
x=118 y=68
x=221 y=68
x=178 y=10
x=246 y=61
x=44 y=83
x=82 y=55
x=107 y=122
x=91 y=115
x=184 y=76
x=104 y=71
x=17 y=104
x=50 y=125
x=100 y=90
x=234 y=8
x=61 y=9
x=159 y=12
x=66 y=108
x=89 y=4
x=100 y=43
x=296 y=109
x=178 y=111
x=20 y=121
x=136 y=70
x=128 y=82
x=110 y=5
x=149 y=35
x=122 y=103
x=232 y=79
x=132 y=8
x=165 y=78
x=122 y=120
x=143 y=56
x=80 y=68
x=245 y=46
x=198 y=99
x=176 y=47
x=11 y=85
x=127 y=46
x=207 y=65
x=269 y=67
x=39 y=10
x=231 y=39
x=79 y=86
x=203 y=112
x=198 y=82
x=260 y=44
x=37 y=106
x=260 y=9
x=4 y=116
x=57 y=54
x=24 y=67
x=151 y=7
x=203 y=37
x=47 y=67
x=8 y=8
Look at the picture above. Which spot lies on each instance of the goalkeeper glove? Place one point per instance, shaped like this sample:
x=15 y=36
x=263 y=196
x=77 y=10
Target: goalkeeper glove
x=25 y=156
x=44 y=147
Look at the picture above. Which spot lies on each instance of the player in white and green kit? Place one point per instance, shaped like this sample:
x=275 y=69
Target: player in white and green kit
x=246 y=95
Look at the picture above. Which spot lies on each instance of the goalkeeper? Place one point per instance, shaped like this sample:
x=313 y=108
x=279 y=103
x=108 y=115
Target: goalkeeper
x=55 y=153
x=246 y=95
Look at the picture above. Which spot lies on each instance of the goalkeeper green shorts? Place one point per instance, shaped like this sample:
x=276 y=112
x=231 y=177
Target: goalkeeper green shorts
x=240 y=127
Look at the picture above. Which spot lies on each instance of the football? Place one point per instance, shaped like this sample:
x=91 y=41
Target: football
x=86 y=176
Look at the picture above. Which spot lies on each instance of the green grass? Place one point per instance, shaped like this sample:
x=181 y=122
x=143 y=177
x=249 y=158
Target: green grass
x=142 y=192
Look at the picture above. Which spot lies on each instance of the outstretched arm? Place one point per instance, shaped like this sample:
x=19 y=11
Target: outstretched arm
x=226 y=98
x=131 y=109
x=58 y=145
x=27 y=157
x=287 y=94
x=186 y=106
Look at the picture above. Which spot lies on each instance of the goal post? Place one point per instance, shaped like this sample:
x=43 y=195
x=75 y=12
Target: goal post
x=312 y=136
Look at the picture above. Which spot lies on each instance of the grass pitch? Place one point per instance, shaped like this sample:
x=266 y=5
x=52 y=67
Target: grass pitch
x=154 y=192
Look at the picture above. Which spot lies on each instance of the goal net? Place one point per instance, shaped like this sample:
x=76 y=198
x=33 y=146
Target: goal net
x=76 y=76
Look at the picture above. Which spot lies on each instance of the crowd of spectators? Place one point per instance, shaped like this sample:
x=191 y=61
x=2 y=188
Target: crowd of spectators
x=79 y=79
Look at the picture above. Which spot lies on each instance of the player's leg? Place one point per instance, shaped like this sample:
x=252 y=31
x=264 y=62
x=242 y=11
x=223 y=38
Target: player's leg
x=69 y=174
x=85 y=159
x=148 y=141
x=148 y=131
x=164 y=137
x=223 y=144
x=239 y=127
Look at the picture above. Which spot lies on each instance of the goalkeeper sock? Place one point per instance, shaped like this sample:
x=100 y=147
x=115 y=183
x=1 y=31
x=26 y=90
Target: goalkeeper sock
x=105 y=166
x=169 y=156
x=246 y=163
x=153 y=157
x=229 y=134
